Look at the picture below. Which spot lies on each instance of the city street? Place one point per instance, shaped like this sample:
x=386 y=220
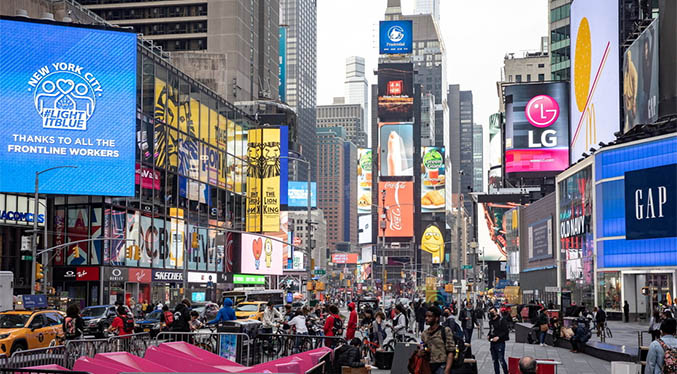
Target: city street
x=572 y=363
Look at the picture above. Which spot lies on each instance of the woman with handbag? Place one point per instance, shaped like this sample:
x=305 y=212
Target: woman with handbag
x=542 y=322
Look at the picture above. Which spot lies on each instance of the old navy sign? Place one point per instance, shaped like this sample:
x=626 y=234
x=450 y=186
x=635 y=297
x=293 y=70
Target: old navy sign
x=651 y=203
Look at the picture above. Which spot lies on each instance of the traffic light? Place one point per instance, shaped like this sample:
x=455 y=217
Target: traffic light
x=128 y=252
x=385 y=275
x=137 y=253
x=194 y=242
x=38 y=271
x=309 y=285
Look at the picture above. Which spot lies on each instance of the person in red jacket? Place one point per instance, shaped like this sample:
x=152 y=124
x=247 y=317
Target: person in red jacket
x=352 y=322
x=332 y=327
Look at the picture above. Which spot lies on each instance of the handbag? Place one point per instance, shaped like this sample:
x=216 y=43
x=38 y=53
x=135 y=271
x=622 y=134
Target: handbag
x=544 y=328
x=419 y=363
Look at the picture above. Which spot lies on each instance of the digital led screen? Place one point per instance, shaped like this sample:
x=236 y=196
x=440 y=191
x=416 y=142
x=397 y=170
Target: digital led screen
x=364 y=232
x=536 y=127
x=594 y=75
x=575 y=225
x=399 y=204
x=261 y=255
x=651 y=203
x=433 y=179
x=640 y=79
x=364 y=180
x=344 y=258
x=396 y=149
x=395 y=92
x=298 y=194
x=395 y=37
x=68 y=99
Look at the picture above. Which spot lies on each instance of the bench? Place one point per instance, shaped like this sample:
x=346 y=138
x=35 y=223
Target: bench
x=604 y=351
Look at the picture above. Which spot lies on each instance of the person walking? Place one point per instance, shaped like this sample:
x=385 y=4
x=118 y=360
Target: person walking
x=626 y=311
x=333 y=326
x=498 y=335
x=400 y=323
x=420 y=316
x=73 y=324
x=123 y=324
x=468 y=321
x=663 y=348
x=352 y=322
x=655 y=325
x=600 y=320
x=439 y=342
x=479 y=318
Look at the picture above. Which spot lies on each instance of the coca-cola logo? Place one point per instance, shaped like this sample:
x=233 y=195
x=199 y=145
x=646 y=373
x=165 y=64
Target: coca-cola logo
x=395 y=218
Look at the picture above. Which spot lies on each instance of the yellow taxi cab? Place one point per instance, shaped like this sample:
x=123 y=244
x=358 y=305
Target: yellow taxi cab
x=250 y=310
x=28 y=329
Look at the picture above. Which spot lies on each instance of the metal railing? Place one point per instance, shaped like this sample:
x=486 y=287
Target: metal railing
x=39 y=371
x=36 y=357
x=231 y=345
x=135 y=344
x=268 y=347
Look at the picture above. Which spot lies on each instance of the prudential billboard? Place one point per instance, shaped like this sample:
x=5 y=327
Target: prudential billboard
x=395 y=37
x=68 y=98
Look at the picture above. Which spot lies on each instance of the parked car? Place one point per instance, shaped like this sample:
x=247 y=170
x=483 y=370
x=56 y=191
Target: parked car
x=24 y=329
x=151 y=324
x=250 y=310
x=208 y=310
x=98 y=318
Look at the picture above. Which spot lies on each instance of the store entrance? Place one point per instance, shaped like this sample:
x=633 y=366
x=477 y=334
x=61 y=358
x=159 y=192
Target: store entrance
x=659 y=288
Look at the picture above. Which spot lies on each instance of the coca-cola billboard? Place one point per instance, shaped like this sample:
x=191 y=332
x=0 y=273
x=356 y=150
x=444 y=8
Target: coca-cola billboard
x=399 y=204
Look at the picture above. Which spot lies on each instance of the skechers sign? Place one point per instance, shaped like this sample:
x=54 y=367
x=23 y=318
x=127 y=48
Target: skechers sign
x=537 y=127
x=395 y=37
x=68 y=98
x=651 y=203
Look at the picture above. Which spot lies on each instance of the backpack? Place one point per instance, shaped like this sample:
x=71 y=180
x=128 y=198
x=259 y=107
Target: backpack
x=459 y=355
x=69 y=327
x=169 y=318
x=587 y=336
x=669 y=358
x=128 y=324
x=337 y=329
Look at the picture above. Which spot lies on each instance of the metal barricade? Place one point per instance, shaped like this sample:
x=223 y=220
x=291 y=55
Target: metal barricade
x=135 y=344
x=5 y=370
x=36 y=357
x=268 y=347
x=233 y=346
x=75 y=349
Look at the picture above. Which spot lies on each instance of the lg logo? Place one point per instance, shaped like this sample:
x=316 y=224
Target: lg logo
x=542 y=111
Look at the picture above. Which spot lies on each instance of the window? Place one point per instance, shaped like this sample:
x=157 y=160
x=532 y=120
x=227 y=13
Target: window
x=541 y=77
x=541 y=65
x=518 y=78
x=528 y=77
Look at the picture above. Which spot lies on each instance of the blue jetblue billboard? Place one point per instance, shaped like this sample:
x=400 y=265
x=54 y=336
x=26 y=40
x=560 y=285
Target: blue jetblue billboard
x=395 y=37
x=298 y=194
x=68 y=97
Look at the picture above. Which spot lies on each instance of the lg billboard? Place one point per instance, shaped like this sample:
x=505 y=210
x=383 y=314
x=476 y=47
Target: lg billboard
x=594 y=74
x=536 y=127
x=68 y=99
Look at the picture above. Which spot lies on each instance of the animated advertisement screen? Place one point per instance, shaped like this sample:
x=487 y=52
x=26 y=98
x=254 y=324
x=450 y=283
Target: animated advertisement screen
x=261 y=255
x=68 y=99
x=536 y=127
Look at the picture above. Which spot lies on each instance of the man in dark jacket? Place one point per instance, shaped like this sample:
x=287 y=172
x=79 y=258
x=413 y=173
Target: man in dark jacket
x=420 y=316
x=467 y=320
x=181 y=317
x=498 y=334
x=600 y=320
x=348 y=355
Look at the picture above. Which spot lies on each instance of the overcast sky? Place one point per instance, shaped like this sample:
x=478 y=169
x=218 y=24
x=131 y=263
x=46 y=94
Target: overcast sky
x=477 y=35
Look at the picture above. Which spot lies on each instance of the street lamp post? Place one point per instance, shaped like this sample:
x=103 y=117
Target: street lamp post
x=34 y=236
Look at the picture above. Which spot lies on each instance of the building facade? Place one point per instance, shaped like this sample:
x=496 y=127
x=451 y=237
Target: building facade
x=300 y=19
x=336 y=186
x=431 y=7
x=560 y=39
x=318 y=237
x=478 y=158
x=230 y=46
x=355 y=88
x=347 y=116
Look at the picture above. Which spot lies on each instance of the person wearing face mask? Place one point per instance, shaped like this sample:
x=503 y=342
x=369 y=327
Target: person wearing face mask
x=498 y=334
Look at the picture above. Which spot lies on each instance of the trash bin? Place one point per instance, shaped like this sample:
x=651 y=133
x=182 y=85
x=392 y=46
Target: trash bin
x=235 y=347
x=383 y=360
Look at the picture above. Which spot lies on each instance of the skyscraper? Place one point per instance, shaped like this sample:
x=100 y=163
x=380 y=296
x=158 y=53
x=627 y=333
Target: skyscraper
x=337 y=185
x=431 y=7
x=466 y=148
x=478 y=158
x=230 y=46
x=300 y=18
x=355 y=88
x=347 y=116
x=560 y=57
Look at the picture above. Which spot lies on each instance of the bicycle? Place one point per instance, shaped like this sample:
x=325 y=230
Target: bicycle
x=406 y=337
x=604 y=331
